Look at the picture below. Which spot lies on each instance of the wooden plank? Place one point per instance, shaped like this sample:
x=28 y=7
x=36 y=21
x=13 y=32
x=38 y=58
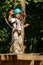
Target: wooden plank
x=7 y=57
x=29 y=57
x=41 y=62
x=21 y=57
x=37 y=62
x=32 y=62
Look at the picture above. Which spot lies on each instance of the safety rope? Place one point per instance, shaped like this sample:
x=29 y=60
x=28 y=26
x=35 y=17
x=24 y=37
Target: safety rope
x=7 y=20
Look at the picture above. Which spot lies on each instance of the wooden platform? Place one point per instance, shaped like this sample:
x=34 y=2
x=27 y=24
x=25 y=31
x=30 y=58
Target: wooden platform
x=21 y=59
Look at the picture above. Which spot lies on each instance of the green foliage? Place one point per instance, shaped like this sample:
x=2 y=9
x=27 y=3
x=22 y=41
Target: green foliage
x=38 y=1
x=4 y=40
x=3 y=35
x=33 y=35
x=5 y=5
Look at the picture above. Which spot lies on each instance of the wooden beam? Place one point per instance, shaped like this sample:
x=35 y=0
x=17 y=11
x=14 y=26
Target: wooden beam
x=29 y=57
x=12 y=56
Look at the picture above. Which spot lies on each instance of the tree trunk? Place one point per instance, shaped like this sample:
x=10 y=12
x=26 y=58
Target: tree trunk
x=23 y=5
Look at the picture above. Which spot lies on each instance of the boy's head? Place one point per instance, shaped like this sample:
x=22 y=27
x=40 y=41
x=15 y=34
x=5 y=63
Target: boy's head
x=17 y=12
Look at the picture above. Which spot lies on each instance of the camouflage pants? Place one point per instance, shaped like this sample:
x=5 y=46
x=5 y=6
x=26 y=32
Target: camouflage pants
x=17 y=43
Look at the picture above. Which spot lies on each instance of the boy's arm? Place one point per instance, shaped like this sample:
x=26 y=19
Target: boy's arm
x=26 y=25
x=10 y=15
x=9 y=18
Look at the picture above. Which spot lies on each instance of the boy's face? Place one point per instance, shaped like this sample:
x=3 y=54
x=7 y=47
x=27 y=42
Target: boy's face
x=18 y=15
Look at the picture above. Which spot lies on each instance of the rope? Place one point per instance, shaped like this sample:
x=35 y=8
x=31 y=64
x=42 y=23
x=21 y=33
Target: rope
x=7 y=20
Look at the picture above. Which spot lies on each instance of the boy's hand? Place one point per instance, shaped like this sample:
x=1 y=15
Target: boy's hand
x=27 y=25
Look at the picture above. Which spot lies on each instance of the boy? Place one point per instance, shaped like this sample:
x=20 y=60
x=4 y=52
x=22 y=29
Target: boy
x=16 y=31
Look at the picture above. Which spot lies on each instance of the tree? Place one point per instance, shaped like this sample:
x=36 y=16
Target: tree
x=23 y=5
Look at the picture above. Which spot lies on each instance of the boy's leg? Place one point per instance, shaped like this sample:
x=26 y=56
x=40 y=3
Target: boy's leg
x=16 y=43
x=12 y=48
x=20 y=44
x=16 y=46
